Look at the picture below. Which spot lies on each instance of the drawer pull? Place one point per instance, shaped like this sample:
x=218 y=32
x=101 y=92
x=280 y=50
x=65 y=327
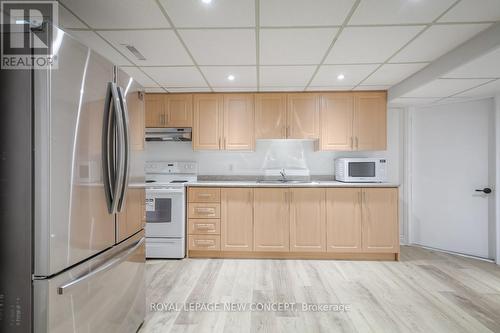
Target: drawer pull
x=204 y=226
x=205 y=210
x=205 y=242
x=204 y=195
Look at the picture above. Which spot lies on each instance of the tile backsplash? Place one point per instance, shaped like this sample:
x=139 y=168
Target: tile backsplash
x=276 y=154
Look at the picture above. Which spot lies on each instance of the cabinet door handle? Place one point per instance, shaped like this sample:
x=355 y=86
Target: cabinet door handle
x=287 y=132
x=168 y=117
x=352 y=142
x=204 y=195
x=357 y=142
x=219 y=142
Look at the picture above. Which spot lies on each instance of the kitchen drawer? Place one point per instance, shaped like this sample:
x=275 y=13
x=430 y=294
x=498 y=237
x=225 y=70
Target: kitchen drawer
x=204 y=243
x=204 y=226
x=204 y=194
x=204 y=210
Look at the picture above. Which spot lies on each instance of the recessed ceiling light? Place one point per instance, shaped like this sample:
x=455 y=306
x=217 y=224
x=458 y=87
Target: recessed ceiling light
x=230 y=77
x=340 y=77
x=206 y=1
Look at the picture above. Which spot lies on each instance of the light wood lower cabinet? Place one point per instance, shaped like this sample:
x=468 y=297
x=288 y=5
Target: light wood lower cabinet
x=343 y=219
x=236 y=219
x=133 y=215
x=271 y=220
x=380 y=220
x=347 y=223
x=307 y=220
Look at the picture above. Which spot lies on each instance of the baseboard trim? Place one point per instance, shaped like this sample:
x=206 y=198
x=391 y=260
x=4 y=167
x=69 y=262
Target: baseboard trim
x=294 y=255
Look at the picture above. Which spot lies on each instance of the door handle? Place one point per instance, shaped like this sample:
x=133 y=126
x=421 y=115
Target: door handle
x=66 y=288
x=485 y=190
x=125 y=142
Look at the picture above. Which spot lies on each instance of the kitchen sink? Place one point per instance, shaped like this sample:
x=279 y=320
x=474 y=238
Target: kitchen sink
x=283 y=181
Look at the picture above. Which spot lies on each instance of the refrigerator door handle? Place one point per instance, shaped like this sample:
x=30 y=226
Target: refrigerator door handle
x=66 y=288
x=126 y=147
x=108 y=164
x=119 y=148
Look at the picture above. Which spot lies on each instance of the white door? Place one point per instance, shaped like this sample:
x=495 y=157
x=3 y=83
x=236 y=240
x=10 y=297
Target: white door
x=452 y=157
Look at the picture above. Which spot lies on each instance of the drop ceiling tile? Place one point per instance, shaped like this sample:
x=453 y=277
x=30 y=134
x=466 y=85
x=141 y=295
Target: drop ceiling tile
x=353 y=74
x=245 y=76
x=436 y=41
x=304 y=12
x=68 y=20
x=488 y=90
x=486 y=66
x=118 y=14
x=370 y=44
x=329 y=88
x=473 y=11
x=159 y=47
x=189 y=89
x=391 y=74
x=279 y=89
x=371 y=87
x=176 y=77
x=221 y=47
x=99 y=45
x=154 y=90
x=218 y=13
x=399 y=11
x=294 y=46
x=444 y=87
x=286 y=76
x=139 y=76
x=404 y=101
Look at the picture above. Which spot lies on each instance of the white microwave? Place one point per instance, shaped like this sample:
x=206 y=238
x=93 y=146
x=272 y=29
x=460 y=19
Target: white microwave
x=361 y=170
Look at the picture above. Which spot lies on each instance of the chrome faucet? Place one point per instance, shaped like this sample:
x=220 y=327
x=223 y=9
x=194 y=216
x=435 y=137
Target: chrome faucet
x=283 y=175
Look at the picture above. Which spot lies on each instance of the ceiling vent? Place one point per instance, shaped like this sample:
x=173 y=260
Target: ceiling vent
x=135 y=52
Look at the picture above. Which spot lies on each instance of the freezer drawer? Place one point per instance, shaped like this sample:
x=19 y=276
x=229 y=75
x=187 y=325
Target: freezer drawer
x=106 y=294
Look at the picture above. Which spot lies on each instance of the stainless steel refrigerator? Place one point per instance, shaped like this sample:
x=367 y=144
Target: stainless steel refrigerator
x=65 y=166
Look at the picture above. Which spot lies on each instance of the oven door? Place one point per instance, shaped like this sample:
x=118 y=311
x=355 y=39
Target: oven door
x=165 y=213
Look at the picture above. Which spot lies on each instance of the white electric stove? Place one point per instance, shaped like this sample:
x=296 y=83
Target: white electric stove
x=166 y=207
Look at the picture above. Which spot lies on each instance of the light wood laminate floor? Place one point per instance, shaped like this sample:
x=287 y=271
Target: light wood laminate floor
x=426 y=291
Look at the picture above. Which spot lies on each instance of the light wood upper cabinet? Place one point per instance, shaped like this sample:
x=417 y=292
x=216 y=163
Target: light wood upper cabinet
x=133 y=215
x=207 y=121
x=343 y=219
x=337 y=114
x=303 y=116
x=370 y=121
x=136 y=117
x=236 y=219
x=271 y=220
x=238 y=125
x=307 y=220
x=380 y=228
x=155 y=114
x=270 y=116
x=179 y=110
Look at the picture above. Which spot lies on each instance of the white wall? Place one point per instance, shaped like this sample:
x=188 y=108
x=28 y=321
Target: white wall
x=275 y=154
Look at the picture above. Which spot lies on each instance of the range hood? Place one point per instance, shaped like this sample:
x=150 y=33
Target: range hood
x=169 y=134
